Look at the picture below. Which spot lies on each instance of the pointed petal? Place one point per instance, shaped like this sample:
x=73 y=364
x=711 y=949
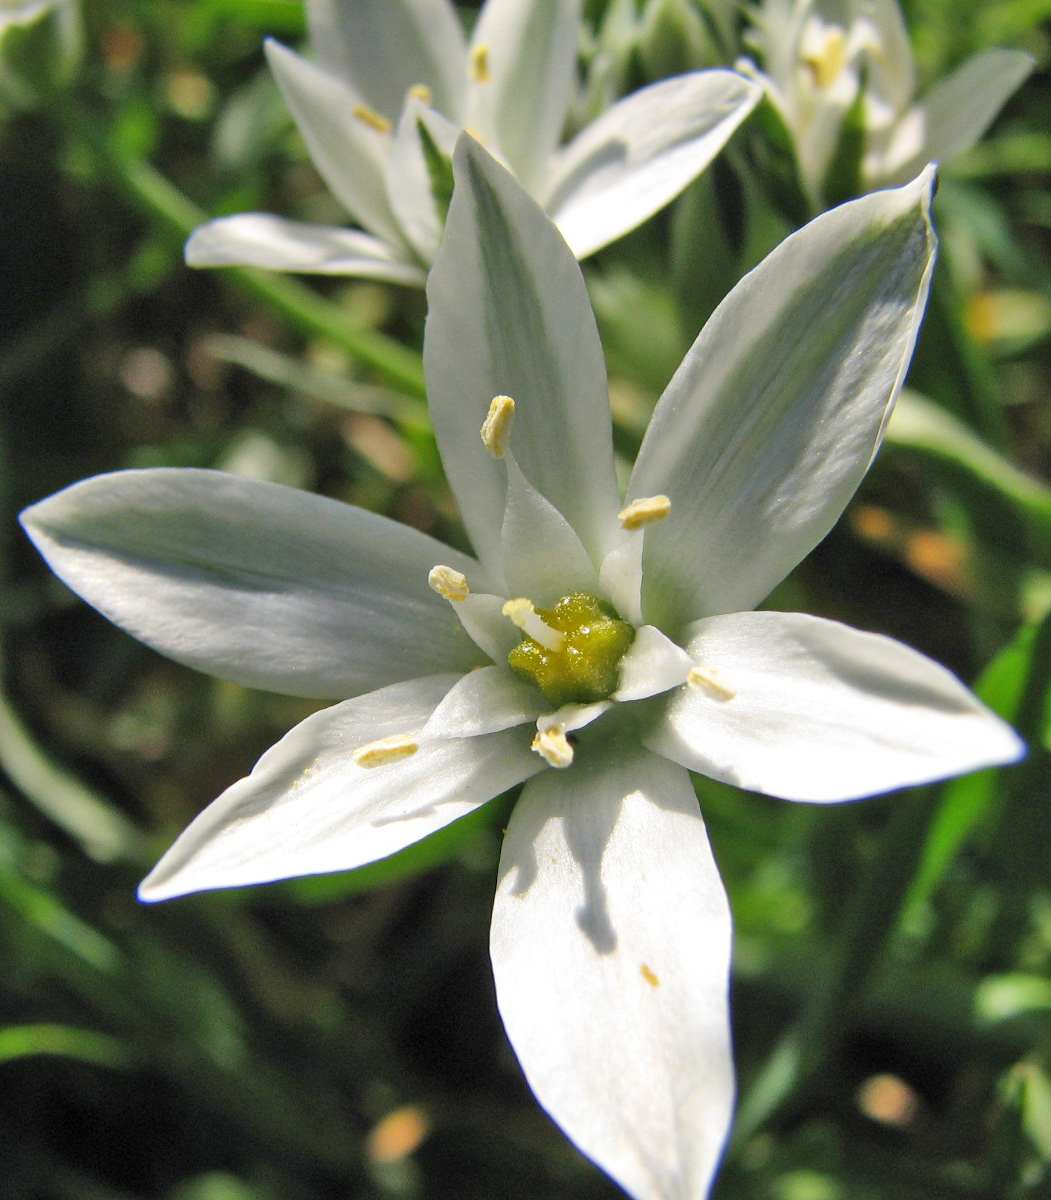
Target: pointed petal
x=385 y=47
x=509 y=315
x=262 y=240
x=959 y=109
x=484 y=701
x=308 y=808
x=408 y=178
x=808 y=709
x=641 y=153
x=257 y=583
x=772 y=420
x=520 y=103
x=611 y=952
x=350 y=154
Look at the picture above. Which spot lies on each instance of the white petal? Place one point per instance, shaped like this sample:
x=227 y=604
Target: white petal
x=484 y=701
x=262 y=240
x=531 y=58
x=815 y=710
x=772 y=420
x=641 y=153
x=509 y=315
x=409 y=181
x=349 y=153
x=611 y=952
x=543 y=558
x=384 y=47
x=652 y=665
x=958 y=110
x=308 y=808
x=254 y=582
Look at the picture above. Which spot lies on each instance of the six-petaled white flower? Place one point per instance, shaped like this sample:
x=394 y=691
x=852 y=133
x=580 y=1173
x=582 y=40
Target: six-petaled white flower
x=394 y=83
x=819 y=57
x=596 y=649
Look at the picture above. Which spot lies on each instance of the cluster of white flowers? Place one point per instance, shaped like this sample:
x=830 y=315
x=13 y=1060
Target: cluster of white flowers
x=597 y=647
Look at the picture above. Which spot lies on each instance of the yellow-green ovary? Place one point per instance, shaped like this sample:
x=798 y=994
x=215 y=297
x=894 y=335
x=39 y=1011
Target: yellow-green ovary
x=587 y=667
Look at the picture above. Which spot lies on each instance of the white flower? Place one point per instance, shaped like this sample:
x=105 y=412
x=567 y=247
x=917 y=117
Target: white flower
x=820 y=57
x=393 y=85
x=611 y=929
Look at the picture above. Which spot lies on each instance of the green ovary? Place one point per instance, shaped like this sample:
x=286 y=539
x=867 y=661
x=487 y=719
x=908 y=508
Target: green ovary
x=586 y=669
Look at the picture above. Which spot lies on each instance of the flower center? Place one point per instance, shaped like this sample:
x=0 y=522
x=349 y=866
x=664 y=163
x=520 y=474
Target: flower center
x=582 y=665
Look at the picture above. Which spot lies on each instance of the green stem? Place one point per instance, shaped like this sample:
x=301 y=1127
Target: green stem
x=157 y=196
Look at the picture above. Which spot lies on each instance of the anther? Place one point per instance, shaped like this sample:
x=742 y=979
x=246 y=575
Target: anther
x=524 y=615
x=553 y=747
x=710 y=680
x=385 y=750
x=371 y=118
x=647 y=510
x=480 y=64
x=496 y=428
x=449 y=583
x=419 y=91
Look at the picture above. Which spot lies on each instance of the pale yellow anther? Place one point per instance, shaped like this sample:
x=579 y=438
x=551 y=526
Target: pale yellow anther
x=385 y=750
x=712 y=681
x=647 y=510
x=449 y=583
x=496 y=428
x=553 y=747
x=827 y=61
x=371 y=118
x=480 y=64
x=419 y=91
x=524 y=615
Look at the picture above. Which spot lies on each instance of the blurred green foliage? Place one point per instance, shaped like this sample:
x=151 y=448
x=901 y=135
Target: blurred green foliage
x=337 y=1037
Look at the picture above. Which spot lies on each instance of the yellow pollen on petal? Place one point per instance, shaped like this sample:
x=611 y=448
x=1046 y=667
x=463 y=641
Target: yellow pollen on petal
x=448 y=583
x=647 y=510
x=419 y=91
x=712 y=681
x=524 y=615
x=385 y=750
x=649 y=975
x=496 y=428
x=371 y=118
x=480 y=64
x=553 y=747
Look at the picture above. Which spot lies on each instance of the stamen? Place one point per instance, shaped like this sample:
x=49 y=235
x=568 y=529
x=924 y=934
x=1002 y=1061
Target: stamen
x=647 y=510
x=710 y=680
x=524 y=615
x=553 y=747
x=419 y=91
x=827 y=61
x=370 y=117
x=385 y=750
x=449 y=583
x=480 y=64
x=496 y=428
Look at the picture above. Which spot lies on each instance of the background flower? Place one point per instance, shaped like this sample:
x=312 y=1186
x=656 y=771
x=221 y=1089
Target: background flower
x=394 y=83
